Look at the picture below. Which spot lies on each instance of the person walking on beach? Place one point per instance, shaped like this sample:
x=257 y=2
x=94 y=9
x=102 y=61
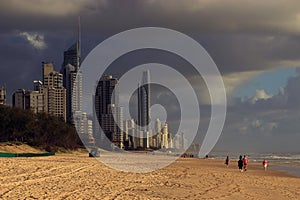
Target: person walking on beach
x=245 y=162
x=227 y=161
x=265 y=164
x=240 y=164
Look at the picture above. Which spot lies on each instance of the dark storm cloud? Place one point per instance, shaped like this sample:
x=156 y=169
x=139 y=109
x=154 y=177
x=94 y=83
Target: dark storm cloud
x=244 y=36
x=194 y=16
x=246 y=52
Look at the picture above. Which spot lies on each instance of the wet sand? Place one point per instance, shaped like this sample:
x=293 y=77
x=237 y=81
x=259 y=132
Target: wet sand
x=76 y=176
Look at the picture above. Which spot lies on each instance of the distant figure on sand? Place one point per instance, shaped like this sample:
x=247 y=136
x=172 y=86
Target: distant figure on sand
x=245 y=162
x=240 y=164
x=227 y=161
x=265 y=164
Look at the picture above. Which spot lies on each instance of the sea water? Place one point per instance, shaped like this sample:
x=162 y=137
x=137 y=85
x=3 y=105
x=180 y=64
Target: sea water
x=287 y=162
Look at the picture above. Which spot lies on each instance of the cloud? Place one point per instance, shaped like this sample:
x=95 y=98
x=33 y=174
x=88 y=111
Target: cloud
x=46 y=7
x=248 y=36
x=265 y=121
x=234 y=16
x=260 y=94
x=35 y=39
x=193 y=16
x=235 y=79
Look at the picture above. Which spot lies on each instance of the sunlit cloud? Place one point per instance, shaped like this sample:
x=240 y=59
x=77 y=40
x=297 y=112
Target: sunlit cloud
x=35 y=39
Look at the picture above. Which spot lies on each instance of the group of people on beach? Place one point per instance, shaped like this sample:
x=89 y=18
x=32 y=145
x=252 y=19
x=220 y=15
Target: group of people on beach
x=243 y=163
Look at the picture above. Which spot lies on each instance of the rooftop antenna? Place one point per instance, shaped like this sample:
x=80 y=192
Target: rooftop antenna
x=78 y=43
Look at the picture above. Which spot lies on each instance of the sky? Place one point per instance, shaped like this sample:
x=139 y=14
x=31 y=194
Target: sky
x=255 y=45
x=269 y=81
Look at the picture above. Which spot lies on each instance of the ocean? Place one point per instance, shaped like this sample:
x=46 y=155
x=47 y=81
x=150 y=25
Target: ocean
x=287 y=162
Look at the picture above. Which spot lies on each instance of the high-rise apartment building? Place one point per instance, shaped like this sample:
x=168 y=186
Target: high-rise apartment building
x=2 y=95
x=84 y=127
x=179 y=141
x=117 y=137
x=51 y=78
x=18 y=99
x=57 y=102
x=54 y=91
x=108 y=112
x=165 y=139
x=157 y=135
x=31 y=100
x=130 y=135
x=126 y=134
x=37 y=102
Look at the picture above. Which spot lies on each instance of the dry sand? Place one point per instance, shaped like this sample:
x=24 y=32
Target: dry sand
x=76 y=176
x=18 y=148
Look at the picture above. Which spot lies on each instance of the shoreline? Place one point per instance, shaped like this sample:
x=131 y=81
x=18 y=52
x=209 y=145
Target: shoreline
x=273 y=169
x=186 y=178
x=283 y=169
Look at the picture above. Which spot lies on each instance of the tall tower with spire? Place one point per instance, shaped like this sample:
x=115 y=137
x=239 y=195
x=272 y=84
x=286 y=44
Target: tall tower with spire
x=144 y=108
x=144 y=101
x=72 y=76
x=78 y=43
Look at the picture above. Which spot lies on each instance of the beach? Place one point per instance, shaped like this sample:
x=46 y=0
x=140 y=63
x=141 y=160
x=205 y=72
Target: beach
x=76 y=176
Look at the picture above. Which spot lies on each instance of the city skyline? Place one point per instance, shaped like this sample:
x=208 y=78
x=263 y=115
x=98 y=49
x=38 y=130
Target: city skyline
x=110 y=126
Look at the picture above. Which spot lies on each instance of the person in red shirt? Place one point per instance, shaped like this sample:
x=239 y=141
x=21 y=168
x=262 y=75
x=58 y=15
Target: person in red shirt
x=265 y=164
x=245 y=162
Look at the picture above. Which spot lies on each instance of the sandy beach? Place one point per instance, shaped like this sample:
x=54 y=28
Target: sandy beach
x=76 y=176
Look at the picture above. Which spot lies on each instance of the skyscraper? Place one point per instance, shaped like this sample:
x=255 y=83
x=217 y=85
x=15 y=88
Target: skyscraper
x=73 y=54
x=165 y=133
x=130 y=139
x=51 y=78
x=157 y=133
x=54 y=91
x=117 y=136
x=144 y=109
x=84 y=127
x=106 y=107
x=37 y=102
x=72 y=77
x=73 y=85
x=144 y=102
x=33 y=100
x=18 y=99
x=2 y=95
x=180 y=141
